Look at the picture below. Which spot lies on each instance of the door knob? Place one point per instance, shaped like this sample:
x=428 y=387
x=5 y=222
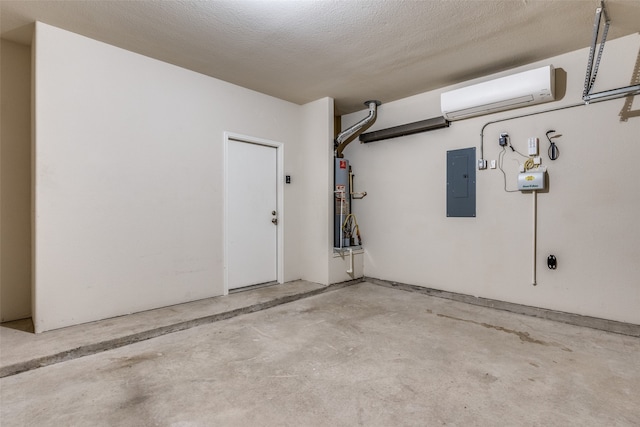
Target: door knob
x=273 y=212
x=274 y=221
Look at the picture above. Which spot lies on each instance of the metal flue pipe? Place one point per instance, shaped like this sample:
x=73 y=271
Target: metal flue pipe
x=346 y=136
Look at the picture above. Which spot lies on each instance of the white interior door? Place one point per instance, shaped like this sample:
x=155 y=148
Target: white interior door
x=252 y=215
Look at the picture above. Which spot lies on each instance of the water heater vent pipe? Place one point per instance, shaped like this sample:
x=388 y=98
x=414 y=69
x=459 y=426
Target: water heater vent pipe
x=346 y=136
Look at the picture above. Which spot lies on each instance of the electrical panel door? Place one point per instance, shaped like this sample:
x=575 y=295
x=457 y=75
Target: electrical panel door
x=461 y=183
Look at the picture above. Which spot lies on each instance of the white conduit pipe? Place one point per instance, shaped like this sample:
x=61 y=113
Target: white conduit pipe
x=350 y=270
x=535 y=236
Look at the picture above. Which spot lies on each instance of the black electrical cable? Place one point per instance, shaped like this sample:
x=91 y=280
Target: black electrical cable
x=513 y=149
x=553 y=152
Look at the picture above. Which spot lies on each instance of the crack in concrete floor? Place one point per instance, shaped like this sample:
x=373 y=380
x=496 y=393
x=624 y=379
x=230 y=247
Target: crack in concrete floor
x=524 y=336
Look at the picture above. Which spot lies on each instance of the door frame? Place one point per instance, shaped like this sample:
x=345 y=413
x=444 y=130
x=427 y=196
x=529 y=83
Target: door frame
x=279 y=146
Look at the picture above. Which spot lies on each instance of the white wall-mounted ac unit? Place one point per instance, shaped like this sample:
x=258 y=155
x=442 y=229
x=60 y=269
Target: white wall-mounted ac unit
x=514 y=91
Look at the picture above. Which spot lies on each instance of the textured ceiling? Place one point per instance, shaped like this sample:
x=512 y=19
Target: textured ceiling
x=349 y=50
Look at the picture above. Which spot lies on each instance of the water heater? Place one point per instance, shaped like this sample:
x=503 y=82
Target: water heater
x=342 y=201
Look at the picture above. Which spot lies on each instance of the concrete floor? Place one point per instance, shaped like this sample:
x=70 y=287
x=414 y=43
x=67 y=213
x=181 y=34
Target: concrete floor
x=359 y=355
x=20 y=351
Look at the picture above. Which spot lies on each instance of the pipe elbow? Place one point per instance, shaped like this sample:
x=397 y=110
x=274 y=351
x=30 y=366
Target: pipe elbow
x=348 y=135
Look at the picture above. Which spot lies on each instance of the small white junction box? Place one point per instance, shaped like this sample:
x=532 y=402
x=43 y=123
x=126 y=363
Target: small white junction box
x=533 y=146
x=531 y=180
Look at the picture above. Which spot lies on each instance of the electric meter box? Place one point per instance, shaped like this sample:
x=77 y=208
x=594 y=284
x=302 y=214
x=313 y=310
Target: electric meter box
x=531 y=180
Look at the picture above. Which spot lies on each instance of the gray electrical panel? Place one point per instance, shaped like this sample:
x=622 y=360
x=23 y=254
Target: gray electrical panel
x=461 y=182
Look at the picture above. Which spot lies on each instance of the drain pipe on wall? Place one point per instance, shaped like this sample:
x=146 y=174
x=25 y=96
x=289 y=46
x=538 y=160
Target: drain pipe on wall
x=535 y=236
x=351 y=269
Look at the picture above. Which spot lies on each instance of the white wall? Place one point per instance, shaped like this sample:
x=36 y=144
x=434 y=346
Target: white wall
x=317 y=118
x=15 y=182
x=320 y=264
x=588 y=218
x=128 y=178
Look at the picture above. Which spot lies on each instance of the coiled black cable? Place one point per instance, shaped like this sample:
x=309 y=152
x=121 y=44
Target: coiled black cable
x=554 y=151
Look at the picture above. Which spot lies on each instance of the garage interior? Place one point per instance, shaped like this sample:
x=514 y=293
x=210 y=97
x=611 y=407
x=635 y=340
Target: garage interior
x=187 y=239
